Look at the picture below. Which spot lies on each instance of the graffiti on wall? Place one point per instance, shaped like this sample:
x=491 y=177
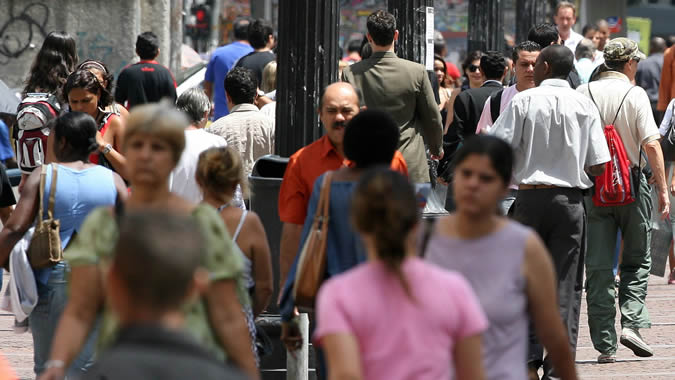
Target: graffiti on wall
x=21 y=29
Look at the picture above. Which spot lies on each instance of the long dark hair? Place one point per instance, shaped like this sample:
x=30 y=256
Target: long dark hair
x=108 y=77
x=52 y=64
x=86 y=80
x=384 y=206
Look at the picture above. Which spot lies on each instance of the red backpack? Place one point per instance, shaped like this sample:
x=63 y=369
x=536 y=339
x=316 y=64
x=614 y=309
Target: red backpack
x=616 y=186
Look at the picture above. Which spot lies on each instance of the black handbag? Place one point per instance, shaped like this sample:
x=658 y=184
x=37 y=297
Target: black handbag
x=668 y=140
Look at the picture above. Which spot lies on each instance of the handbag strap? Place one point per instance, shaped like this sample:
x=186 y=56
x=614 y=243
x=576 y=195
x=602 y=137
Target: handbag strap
x=43 y=179
x=52 y=192
x=322 y=211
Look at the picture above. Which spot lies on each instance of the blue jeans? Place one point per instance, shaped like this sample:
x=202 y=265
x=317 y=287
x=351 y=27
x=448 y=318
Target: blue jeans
x=43 y=320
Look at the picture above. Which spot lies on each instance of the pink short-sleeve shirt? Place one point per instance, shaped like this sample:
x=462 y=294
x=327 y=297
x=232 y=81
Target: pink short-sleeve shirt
x=400 y=338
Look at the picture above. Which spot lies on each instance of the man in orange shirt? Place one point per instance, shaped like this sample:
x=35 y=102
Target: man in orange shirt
x=667 y=85
x=339 y=103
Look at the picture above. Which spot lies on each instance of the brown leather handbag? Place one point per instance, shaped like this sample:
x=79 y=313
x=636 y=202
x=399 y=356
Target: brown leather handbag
x=311 y=268
x=45 y=245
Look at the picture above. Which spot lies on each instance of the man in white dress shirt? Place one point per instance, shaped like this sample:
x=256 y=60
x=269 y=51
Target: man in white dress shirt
x=558 y=142
x=565 y=18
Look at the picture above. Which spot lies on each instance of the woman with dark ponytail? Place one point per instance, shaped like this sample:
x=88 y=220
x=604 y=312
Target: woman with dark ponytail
x=397 y=317
x=80 y=188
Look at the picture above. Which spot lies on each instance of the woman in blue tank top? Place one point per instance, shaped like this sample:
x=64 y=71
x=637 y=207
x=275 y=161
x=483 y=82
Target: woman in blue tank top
x=80 y=188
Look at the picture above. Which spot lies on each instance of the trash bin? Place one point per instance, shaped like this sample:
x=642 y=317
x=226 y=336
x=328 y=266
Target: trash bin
x=265 y=182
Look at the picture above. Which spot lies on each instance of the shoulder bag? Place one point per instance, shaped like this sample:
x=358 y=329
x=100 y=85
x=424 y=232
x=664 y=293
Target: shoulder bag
x=45 y=246
x=311 y=268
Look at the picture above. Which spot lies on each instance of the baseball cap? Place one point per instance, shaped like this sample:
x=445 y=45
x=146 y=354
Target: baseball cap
x=622 y=49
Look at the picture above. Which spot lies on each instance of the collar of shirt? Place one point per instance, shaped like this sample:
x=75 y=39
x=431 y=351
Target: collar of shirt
x=385 y=54
x=491 y=81
x=614 y=75
x=554 y=82
x=328 y=148
x=244 y=107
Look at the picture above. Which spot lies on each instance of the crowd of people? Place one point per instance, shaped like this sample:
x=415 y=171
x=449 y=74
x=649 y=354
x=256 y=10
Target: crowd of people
x=551 y=153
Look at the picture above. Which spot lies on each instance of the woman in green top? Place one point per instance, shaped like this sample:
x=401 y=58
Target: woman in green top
x=153 y=144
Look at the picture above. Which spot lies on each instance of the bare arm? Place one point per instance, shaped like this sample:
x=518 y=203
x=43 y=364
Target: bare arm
x=85 y=300
x=672 y=182
x=262 y=266
x=121 y=187
x=596 y=170
x=114 y=137
x=290 y=242
x=5 y=213
x=655 y=158
x=450 y=106
x=22 y=217
x=208 y=89
x=543 y=307
x=227 y=318
x=342 y=356
x=467 y=356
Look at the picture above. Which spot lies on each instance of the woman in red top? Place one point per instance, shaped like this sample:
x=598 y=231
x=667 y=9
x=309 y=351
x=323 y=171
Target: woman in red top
x=85 y=93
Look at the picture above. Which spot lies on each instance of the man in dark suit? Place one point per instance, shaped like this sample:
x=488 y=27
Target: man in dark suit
x=469 y=103
x=403 y=90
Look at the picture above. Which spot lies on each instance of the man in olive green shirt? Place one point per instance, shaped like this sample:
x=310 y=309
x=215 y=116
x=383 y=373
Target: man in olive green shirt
x=402 y=89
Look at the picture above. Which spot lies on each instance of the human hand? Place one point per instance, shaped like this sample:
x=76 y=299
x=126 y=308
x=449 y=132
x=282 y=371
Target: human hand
x=53 y=373
x=439 y=157
x=672 y=188
x=664 y=204
x=99 y=139
x=291 y=336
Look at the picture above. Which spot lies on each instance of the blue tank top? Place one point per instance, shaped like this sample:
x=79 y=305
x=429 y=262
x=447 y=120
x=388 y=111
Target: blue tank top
x=78 y=192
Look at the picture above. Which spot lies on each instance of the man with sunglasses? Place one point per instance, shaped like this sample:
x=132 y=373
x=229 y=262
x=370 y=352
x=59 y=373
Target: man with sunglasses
x=635 y=125
x=469 y=103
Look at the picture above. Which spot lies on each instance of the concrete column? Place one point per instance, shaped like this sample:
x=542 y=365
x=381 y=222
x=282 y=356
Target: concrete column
x=155 y=17
x=307 y=59
x=411 y=24
x=486 y=25
x=176 y=41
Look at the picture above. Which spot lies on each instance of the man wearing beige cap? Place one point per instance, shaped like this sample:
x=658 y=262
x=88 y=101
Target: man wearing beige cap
x=627 y=107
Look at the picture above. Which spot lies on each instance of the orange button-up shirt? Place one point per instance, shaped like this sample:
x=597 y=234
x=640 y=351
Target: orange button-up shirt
x=304 y=167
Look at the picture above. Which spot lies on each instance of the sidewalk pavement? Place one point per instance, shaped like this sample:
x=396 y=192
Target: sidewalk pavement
x=18 y=349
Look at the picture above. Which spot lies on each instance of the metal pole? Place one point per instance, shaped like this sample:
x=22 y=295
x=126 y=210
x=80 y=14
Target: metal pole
x=411 y=24
x=308 y=59
x=297 y=362
x=214 y=33
x=528 y=14
x=486 y=25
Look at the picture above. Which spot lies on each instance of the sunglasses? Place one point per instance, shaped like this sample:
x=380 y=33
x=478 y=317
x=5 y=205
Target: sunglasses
x=473 y=68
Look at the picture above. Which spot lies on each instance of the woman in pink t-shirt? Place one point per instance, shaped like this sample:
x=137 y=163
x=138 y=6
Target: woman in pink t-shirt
x=395 y=316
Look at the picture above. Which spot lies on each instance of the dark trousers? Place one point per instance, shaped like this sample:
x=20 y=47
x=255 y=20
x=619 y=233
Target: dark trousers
x=559 y=218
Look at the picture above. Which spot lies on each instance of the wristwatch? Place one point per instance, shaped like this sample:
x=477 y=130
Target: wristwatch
x=54 y=364
x=106 y=149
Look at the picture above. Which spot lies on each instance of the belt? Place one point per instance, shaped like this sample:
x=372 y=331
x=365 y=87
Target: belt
x=534 y=187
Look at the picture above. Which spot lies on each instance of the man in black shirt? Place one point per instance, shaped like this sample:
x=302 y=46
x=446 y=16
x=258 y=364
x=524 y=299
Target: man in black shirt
x=261 y=38
x=146 y=81
x=155 y=270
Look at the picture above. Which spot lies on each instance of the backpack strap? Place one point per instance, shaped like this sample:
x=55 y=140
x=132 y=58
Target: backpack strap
x=43 y=179
x=617 y=110
x=495 y=105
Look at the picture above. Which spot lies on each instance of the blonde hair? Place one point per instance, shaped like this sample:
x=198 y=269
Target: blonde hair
x=160 y=120
x=269 y=77
x=221 y=169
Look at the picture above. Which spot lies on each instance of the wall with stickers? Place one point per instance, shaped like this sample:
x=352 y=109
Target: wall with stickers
x=104 y=30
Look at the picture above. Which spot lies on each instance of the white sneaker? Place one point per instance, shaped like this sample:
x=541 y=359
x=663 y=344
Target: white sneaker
x=632 y=339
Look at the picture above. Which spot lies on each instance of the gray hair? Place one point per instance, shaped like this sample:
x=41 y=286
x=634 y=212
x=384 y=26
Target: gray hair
x=585 y=49
x=194 y=103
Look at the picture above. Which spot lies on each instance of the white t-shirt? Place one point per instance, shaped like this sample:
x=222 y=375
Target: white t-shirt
x=667 y=117
x=573 y=41
x=182 y=180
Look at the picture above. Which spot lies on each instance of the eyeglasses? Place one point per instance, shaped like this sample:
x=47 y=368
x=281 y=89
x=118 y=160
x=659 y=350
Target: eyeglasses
x=473 y=68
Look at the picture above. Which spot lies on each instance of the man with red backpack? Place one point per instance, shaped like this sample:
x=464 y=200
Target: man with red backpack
x=558 y=144
x=622 y=201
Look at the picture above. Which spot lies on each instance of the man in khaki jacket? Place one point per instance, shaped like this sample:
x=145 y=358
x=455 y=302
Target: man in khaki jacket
x=402 y=89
